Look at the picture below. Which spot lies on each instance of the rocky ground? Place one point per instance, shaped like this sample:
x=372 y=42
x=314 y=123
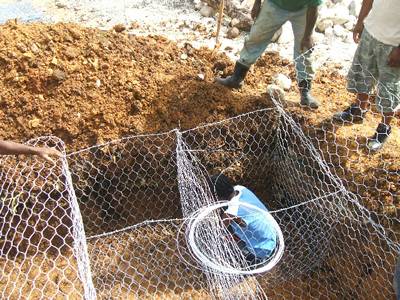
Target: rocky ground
x=87 y=86
x=184 y=21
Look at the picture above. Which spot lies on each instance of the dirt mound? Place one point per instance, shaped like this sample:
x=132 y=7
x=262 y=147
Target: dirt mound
x=87 y=86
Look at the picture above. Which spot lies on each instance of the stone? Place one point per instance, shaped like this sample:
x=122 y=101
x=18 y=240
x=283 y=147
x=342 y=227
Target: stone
x=340 y=20
x=348 y=38
x=351 y=23
x=339 y=31
x=75 y=34
x=21 y=47
x=119 y=28
x=276 y=35
x=354 y=7
x=233 y=33
x=61 y=4
x=341 y=15
x=234 y=22
x=35 y=49
x=34 y=123
x=71 y=53
x=200 y=76
x=199 y=5
x=184 y=56
x=134 y=25
x=329 y=34
x=59 y=75
x=322 y=25
x=207 y=11
x=318 y=37
x=283 y=81
x=275 y=92
x=245 y=23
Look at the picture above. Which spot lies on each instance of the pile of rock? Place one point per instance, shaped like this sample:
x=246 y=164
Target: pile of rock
x=337 y=19
x=238 y=11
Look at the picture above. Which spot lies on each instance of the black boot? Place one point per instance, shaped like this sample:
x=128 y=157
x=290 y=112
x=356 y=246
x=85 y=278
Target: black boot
x=235 y=81
x=306 y=98
x=382 y=133
x=352 y=114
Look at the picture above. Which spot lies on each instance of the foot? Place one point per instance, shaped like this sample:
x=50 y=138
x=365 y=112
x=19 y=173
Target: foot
x=352 y=114
x=382 y=133
x=230 y=81
x=308 y=100
x=235 y=81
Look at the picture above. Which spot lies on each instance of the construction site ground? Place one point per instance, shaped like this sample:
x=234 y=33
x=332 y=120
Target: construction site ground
x=88 y=86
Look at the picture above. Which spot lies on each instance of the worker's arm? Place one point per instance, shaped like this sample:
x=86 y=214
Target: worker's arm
x=359 y=27
x=394 y=57
x=256 y=9
x=227 y=219
x=12 y=148
x=311 y=18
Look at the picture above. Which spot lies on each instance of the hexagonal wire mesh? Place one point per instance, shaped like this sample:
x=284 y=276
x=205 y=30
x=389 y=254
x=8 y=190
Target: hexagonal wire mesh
x=43 y=243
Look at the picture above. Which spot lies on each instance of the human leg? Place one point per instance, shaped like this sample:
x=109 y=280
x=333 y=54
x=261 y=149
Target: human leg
x=361 y=80
x=304 y=68
x=269 y=20
x=387 y=98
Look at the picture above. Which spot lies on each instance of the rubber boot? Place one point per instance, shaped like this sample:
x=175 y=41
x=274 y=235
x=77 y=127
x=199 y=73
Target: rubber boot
x=380 y=137
x=306 y=98
x=235 y=81
x=352 y=114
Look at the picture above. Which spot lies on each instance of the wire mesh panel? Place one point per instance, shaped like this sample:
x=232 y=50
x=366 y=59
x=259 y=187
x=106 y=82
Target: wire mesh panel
x=139 y=217
x=43 y=246
x=126 y=182
x=139 y=197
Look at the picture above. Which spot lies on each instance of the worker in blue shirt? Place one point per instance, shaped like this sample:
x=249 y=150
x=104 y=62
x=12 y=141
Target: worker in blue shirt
x=252 y=231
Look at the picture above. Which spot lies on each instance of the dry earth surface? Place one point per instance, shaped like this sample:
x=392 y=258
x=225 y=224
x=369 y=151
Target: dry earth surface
x=89 y=86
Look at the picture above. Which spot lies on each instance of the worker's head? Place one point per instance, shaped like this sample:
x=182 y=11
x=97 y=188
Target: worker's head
x=222 y=187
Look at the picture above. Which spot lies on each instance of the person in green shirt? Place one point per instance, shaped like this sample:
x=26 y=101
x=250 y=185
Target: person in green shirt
x=270 y=16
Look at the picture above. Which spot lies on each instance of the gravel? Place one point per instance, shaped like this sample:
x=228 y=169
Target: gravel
x=182 y=21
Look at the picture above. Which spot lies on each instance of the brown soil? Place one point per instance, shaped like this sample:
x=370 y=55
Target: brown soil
x=41 y=277
x=88 y=86
x=49 y=74
x=48 y=87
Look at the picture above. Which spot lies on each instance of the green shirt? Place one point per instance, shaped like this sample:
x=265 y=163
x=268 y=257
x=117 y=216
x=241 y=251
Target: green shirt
x=295 y=5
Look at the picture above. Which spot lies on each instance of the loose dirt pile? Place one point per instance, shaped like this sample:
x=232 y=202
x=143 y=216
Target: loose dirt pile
x=87 y=86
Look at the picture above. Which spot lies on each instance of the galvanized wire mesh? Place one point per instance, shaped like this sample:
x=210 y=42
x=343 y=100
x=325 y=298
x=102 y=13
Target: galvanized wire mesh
x=129 y=197
x=110 y=221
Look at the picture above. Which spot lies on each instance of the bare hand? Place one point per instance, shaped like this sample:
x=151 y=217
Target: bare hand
x=307 y=43
x=256 y=9
x=357 y=31
x=48 y=153
x=394 y=58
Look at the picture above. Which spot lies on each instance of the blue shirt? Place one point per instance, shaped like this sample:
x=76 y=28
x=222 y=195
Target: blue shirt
x=258 y=234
